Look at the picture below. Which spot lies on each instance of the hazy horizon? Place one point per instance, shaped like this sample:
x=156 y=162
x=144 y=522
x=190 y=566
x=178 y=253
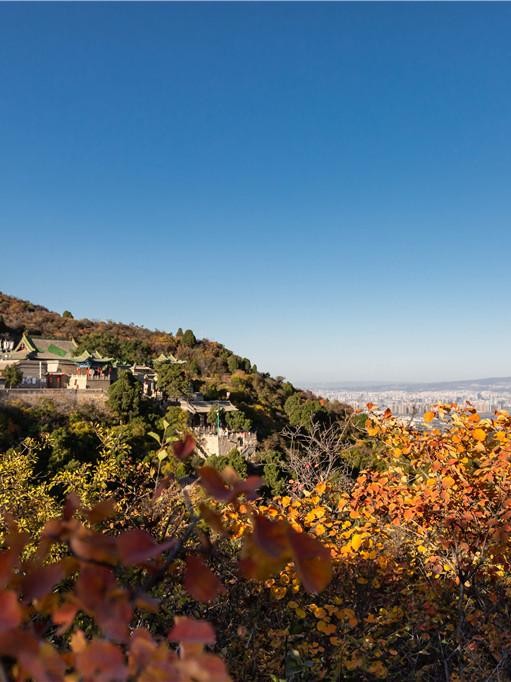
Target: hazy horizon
x=324 y=188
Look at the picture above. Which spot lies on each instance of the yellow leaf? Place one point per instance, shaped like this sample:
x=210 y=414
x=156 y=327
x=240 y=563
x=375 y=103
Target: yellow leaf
x=429 y=416
x=356 y=541
x=371 y=428
x=479 y=434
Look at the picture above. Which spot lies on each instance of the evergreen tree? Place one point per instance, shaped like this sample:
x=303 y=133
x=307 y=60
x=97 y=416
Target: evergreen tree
x=13 y=376
x=125 y=397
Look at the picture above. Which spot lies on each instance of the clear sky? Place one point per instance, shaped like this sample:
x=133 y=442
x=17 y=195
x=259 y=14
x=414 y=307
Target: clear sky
x=325 y=188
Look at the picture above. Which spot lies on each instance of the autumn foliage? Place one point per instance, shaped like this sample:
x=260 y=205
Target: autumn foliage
x=74 y=617
x=402 y=575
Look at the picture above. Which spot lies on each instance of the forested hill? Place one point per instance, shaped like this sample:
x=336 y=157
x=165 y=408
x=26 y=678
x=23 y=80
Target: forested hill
x=213 y=370
x=17 y=316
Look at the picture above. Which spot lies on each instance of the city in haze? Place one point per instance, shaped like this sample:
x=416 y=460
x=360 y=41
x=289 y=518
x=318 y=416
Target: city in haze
x=414 y=399
x=322 y=187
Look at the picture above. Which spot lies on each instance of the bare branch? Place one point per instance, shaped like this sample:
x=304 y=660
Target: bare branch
x=315 y=455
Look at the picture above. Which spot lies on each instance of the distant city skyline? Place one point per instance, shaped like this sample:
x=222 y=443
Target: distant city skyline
x=324 y=188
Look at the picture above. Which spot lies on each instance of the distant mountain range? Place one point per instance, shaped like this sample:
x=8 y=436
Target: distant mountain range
x=486 y=384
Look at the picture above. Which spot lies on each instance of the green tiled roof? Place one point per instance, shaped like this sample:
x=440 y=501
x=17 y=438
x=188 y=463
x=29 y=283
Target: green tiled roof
x=52 y=348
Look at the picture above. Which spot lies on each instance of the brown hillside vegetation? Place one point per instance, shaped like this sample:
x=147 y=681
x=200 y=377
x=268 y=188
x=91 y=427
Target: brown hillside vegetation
x=19 y=315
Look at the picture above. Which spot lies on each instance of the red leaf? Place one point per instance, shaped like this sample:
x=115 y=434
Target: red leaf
x=214 y=484
x=101 y=511
x=137 y=546
x=164 y=484
x=10 y=610
x=92 y=546
x=205 y=666
x=142 y=648
x=312 y=561
x=226 y=486
x=192 y=631
x=99 y=595
x=212 y=518
x=7 y=562
x=40 y=581
x=101 y=661
x=200 y=581
x=184 y=448
x=248 y=486
x=10 y=558
x=64 y=616
x=37 y=661
x=71 y=505
x=271 y=536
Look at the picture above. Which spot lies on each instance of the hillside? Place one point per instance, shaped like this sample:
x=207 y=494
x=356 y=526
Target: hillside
x=212 y=369
x=349 y=547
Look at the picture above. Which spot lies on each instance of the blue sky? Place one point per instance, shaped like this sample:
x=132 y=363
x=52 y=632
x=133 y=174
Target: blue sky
x=325 y=188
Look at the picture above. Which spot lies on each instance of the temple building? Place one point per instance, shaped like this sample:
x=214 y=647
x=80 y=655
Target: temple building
x=44 y=362
x=92 y=371
x=147 y=377
x=215 y=439
x=169 y=358
x=199 y=410
x=53 y=363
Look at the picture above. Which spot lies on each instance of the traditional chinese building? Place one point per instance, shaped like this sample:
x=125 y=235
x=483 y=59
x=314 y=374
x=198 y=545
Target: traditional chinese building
x=92 y=371
x=53 y=363
x=44 y=362
x=214 y=439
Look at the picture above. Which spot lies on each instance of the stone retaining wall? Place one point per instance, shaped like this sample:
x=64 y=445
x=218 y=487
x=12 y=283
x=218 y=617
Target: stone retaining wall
x=60 y=396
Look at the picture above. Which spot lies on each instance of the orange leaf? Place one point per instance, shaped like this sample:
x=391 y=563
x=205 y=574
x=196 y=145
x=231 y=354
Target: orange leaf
x=428 y=417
